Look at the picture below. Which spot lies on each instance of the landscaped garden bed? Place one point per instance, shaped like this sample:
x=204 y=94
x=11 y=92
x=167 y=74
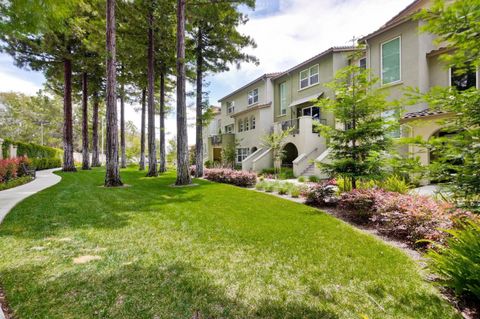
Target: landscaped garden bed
x=151 y=251
x=12 y=172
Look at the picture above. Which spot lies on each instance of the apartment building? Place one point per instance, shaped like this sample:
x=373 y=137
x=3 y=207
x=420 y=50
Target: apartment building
x=276 y=102
x=401 y=56
x=397 y=53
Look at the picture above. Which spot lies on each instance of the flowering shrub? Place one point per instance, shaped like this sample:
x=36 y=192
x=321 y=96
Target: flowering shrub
x=10 y=168
x=230 y=176
x=322 y=194
x=407 y=217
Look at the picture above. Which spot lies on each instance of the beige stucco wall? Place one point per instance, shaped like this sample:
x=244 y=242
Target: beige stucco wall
x=414 y=62
x=425 y=129
x=293 y=91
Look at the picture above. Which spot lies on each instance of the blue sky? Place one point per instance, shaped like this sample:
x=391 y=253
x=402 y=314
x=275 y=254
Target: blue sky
x=287 y=32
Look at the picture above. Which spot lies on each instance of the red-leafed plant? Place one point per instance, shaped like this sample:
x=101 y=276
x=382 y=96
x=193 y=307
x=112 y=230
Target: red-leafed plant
x=230 y=176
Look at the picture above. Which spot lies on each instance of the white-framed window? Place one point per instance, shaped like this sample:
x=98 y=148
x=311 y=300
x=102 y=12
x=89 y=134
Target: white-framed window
x=253 y=97
x=391 y=61
x=392 y=116
x=465 y=80
x=247 y=124
x=283 y=98
x=309 y=77
x=230 y=107
x=229 y=129
x=362 y=63
x=240 y=125
x=252 y=122
x=242 y=153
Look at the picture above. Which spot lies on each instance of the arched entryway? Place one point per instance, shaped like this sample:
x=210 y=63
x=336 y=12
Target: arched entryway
x=290 y=153
x=253 y=150
x=444 y=134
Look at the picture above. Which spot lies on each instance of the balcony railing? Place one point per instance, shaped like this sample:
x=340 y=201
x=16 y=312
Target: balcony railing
x=320 y=121
x=293 y=124
x=216 y=139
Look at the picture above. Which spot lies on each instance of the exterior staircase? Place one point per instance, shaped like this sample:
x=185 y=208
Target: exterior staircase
x=309 y=171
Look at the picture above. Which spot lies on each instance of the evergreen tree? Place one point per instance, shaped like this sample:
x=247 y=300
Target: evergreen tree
x=112 y=174
x=356 y=146
x=183 y=171
x=217 y=44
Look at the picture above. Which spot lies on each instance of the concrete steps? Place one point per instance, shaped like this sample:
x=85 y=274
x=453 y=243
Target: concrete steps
x=309 y=171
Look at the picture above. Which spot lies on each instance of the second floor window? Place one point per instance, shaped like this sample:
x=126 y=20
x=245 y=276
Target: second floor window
x=391 y=64
x=229 y=129
x=230 y=107
x=362 y=63
x=253 y=97
x=283 y=98
x=247 y=124
x=463 y=80
x=240 y=125
x=252 y=122
x=309 y=77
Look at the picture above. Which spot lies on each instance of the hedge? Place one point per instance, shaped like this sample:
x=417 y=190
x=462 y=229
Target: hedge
x=46 y=163
x=31 y=150
x=42 y=157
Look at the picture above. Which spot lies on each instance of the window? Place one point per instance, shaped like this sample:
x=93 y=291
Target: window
x=229 y=129
x=247 y=124
x=362 y=63
x=309 y=77
x=242 y=153
x=391 y=63
x=240 y=125
x=253 y=97
x=464 y=80
x=392 y=117
x=283 y=98
x=230 y=107
x=252 y=122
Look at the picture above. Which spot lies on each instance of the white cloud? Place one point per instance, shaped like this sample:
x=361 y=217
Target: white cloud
x=298 y=30
x=302 y=29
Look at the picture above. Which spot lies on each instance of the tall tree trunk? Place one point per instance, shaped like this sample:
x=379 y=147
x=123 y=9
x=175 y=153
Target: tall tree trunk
x=95 y=154
x=152 y=154
x=163 y=167
x=68 y=162
x=112 y=174
x=123 y=157
x=142 y=132
x=183 y=174
x=199 y=120
x=85 y=152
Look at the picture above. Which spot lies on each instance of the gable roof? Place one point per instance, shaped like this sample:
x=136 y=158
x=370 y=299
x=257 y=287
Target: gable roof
x=263 y=77
x=404 y=15
x=321 y=54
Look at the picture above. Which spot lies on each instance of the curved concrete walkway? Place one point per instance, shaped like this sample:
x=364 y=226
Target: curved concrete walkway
x=10 y=197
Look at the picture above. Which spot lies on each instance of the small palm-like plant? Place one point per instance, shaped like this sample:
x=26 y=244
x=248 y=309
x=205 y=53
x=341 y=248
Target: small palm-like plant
x=276 y=142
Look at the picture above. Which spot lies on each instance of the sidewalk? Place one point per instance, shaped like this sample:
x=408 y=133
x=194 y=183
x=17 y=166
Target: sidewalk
x=10 y=197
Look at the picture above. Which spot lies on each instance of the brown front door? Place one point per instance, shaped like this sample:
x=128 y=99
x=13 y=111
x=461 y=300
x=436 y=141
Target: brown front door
x=217 y=154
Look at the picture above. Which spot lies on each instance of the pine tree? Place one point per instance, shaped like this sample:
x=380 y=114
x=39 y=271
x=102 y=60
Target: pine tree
x=357 y=147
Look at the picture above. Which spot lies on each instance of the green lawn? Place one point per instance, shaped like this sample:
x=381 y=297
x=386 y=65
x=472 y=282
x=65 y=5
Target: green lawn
x=228 y=252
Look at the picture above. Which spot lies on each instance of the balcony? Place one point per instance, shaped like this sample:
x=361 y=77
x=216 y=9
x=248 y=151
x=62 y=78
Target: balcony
x=216 y=139
x=299 y=124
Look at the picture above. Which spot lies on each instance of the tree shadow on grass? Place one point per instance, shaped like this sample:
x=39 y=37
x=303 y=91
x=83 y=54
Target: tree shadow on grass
x=78 y=203
x=174 y=290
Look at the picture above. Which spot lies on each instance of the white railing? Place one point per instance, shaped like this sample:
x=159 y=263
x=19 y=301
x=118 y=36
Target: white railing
x=264 y=160
x=301 y=163
x=247 y=163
